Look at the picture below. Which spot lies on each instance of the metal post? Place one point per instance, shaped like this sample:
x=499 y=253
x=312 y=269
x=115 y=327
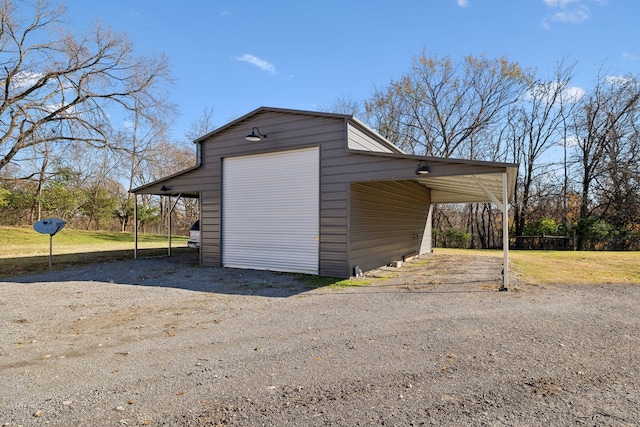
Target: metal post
x=172 y=207
x=505 y=233
x=170 y=210
x=135 y=226
x=50 y=250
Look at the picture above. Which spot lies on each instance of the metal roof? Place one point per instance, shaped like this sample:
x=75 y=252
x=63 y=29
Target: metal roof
x=466 y=188
x=452 y=180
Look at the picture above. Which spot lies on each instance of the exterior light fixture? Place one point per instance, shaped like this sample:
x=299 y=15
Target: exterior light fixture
x=255 y=135
x=422 y=170
x=165 y=188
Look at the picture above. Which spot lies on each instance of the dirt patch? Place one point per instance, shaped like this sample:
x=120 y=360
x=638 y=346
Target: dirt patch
x=164 y=342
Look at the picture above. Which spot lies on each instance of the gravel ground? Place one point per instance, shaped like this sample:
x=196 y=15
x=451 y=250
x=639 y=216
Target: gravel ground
x=164 y=342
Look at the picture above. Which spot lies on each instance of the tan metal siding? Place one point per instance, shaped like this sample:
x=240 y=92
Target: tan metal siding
x=210 y=228
x=387 y=221
x=334 y=209
x=358 y=140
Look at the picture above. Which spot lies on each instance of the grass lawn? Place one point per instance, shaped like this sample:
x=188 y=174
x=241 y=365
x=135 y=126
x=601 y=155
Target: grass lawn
x=23 y=250
x=567 y=267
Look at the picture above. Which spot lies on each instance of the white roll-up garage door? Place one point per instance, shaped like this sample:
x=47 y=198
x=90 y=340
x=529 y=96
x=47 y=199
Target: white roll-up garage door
x=270 y=211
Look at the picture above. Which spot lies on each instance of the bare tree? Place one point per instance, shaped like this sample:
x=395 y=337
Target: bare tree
x=534 y=125
x=346 y=105
x=618 y=189
x=200 y=126
x=58 y=87
x=142 y=145
x=606 y=131
x=444 y=108
x=607 y=117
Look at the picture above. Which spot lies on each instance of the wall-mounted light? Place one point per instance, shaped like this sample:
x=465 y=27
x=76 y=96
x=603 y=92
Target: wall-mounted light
x=165 y=188
x=422 y=170
x=255 y=135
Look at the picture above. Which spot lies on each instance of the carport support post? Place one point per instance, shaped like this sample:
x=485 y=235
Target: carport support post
x=172 y=206
x=135 y=226
x=170 y=210
x=505 y=233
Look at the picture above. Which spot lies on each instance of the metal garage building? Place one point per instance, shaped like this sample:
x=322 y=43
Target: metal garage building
x=320 y=193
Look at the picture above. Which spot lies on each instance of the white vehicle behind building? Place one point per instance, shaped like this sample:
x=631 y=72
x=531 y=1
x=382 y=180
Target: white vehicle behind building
x=194 y=235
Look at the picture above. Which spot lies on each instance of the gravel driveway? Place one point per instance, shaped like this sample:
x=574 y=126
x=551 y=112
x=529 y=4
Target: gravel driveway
x=164 y=342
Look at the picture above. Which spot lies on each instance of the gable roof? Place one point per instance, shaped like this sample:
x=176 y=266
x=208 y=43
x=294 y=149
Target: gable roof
x=273 y=110
x=346 y=117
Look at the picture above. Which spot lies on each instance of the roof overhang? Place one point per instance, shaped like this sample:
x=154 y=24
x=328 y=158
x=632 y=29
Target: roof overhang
x=473 y=188
x=170 y=185
x=450 y=180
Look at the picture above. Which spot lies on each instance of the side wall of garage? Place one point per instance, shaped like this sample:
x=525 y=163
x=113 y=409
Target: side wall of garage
x=387 y=221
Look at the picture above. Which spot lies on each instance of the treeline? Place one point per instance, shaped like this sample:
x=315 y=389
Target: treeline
x=89 y=196
x=83 y=119
x=578 y=149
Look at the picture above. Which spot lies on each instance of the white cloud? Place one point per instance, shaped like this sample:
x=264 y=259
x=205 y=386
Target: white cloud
x=567 y=11
x=629 y=56
x=24 y=79
x=574 y=94
x=559 y=3
x=575 y=16
x=570 y=142
x=69 y=111
x=618 y=80
x=545 y=93
x=463 y=3
x=260 y=63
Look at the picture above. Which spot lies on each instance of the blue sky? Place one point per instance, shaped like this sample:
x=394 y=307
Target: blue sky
x=236 y=55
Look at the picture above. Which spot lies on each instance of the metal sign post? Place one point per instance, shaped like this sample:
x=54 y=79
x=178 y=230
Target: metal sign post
x=49 y=226
x=50 y=250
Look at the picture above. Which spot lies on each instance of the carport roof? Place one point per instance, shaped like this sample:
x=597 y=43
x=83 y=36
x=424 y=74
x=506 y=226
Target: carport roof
x=450 y=180
x=466 y=188
x=163 y=186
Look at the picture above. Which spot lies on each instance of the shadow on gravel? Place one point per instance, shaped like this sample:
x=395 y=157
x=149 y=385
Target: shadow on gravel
x=182 y=272
x=12 y=267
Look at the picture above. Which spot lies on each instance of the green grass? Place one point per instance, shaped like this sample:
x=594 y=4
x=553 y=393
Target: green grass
x=577 y=267
x=22 y=241
x=312 y=282
x=567 y=267
x=349 y=283
x=23 y=250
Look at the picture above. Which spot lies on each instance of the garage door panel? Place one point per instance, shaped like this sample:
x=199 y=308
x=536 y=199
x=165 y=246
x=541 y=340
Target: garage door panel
x=271 y=211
